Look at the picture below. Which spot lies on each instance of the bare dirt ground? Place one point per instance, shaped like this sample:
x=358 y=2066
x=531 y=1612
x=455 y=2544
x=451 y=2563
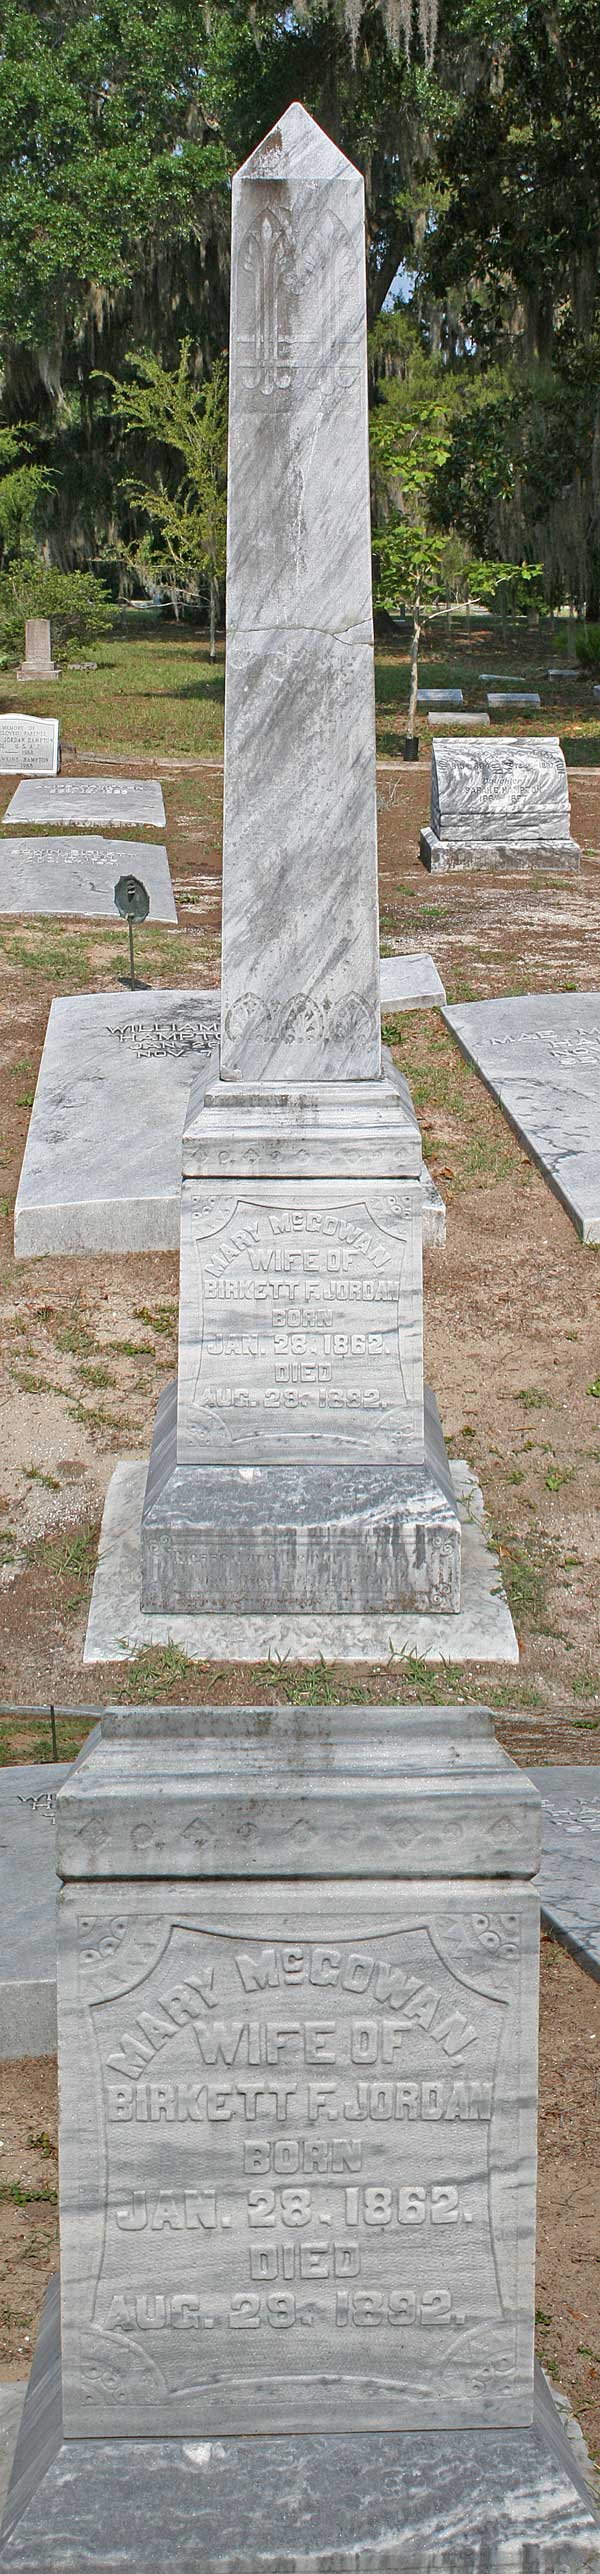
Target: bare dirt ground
x=512 y=1306
x=568 y=2252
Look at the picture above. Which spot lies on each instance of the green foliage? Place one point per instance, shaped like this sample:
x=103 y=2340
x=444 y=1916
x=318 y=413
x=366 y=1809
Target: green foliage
x=77 y=604
x=187 y=528
x=587 y=647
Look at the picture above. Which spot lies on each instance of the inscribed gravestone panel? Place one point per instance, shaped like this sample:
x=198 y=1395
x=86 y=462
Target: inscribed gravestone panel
x=300 y=940
x=304 y=1316
x=30 y=743
x=293 y=2123
x=89 y=800
x=78 y=876
x=500 y=790
x=540 y=1056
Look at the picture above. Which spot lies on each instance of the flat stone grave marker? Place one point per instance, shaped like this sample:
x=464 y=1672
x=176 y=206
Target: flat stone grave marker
x=476 y=723
x=38 y=663
x=563 y=673
x=540 y=1057
x=440 y=697
x=78 y=876
x=28 y=1918
x=29 y=743
x=501 y=803
x=526 y=699
x=102 y=1163
x=570 y=1872
x=502 y=678
x=89 y=801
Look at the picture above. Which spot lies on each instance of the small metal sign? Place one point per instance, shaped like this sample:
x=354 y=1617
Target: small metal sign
x=131 y=899
x=133 y=903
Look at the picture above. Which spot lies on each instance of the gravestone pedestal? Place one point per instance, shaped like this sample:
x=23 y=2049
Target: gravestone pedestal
x=297 y=2035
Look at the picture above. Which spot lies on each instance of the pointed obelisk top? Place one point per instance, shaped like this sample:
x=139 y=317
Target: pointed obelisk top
x=296 y=148
x=300 y=985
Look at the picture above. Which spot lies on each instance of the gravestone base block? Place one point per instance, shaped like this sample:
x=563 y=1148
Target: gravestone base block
x=324 y=1537
x=434 y=2502
x=515 y=857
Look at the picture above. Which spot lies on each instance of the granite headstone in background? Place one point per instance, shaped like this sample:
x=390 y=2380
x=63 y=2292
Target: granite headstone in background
x=440 y=697
x=295 y=1465
x=539 y=1054
x=498 y=804
x=525 y=699
x=29 y=743
x=38 y=663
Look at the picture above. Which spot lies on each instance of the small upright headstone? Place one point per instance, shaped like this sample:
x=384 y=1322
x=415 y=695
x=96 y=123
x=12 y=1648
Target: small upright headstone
x=38 y=663
x=498 y=804
x=525 y=701
x=29 y=747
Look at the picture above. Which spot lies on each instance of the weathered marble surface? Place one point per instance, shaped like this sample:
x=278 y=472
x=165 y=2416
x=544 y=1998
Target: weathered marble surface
x=330 y=1522
x=28 y=1918
x=29 y=743
x=399 y=2027
x=428 y=2502
x=570 y=1874
x=561 y=672
x=524 y=698
x=409 y=982
x=440 y=697
x=38 y=663
x=300 y=938
x=508 y=857
x=86 y=800
x=307 y=1791
x=481 y=1631
x=79 y=876
x=502 y=803
x=510 y=790
x=540 y=1057
x=502 y=678
x=476 y=723
x=102 y=1163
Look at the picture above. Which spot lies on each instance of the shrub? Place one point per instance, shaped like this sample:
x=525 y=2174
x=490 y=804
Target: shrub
x=77 y=603
x=587 y=647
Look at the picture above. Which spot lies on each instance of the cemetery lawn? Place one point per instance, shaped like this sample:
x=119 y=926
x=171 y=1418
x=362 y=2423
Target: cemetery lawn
x=569 y=2175
x=512 y=1307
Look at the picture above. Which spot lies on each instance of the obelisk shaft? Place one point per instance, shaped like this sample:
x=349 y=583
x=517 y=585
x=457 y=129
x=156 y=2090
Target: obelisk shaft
x=300 y=996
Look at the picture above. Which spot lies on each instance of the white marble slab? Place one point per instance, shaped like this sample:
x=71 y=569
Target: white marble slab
x=440 y=697
x=89 y=801
x=481 y=1631
x=526 y=700
x=540 y=1057
x=409 y=983
x=570 y=1873
x=78 y=876
x=561 y=672
x=502 y=678
x=29 y=743
x=475 y=723
x=28 y=1916
x=102 y=1163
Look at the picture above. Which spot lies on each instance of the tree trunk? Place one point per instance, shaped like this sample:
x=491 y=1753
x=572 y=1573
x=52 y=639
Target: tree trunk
x=414 y=674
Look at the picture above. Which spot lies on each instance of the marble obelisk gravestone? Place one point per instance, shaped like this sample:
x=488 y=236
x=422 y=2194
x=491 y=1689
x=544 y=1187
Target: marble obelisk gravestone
x=298 y=1464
